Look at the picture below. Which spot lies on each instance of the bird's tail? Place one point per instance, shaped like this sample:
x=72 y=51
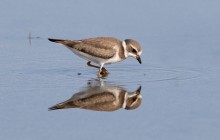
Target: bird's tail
x=63 y=105
x=68 y=43
x=56 y=40
x=58 y=106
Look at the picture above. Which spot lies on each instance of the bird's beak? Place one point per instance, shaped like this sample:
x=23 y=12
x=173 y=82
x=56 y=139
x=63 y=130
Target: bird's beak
x=139 y=59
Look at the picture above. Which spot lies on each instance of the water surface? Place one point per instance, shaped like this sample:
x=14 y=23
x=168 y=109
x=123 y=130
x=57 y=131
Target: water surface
x=179 y=75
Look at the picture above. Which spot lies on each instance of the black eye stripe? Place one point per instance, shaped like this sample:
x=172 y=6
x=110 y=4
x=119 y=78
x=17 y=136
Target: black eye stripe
x=133 y=50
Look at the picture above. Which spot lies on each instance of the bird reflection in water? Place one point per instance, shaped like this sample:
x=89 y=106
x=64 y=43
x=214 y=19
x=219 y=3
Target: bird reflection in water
x=100 y=97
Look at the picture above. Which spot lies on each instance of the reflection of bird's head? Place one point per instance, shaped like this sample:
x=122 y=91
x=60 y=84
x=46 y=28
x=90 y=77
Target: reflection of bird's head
x=133 y=100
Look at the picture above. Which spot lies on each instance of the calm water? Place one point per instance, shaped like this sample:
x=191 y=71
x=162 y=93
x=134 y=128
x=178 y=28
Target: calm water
x=179 y=75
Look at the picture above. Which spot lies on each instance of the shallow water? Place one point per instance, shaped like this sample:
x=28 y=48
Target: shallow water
x=179 y=75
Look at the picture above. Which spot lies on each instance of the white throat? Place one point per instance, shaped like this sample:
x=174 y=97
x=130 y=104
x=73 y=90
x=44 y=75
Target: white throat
x=125 y=49
x=125 y=100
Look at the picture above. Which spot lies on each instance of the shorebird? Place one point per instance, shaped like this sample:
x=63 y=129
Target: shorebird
x=102 y=98
x=102 y=50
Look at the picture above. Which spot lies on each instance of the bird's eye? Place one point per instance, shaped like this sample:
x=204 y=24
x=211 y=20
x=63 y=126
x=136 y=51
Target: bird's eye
x=134 y=99
x=133 y=50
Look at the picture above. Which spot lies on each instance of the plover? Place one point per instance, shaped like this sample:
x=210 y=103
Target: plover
x=103 y=50
x=102 y=98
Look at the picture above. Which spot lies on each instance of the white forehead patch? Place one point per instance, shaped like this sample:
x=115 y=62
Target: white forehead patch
x=139 y=53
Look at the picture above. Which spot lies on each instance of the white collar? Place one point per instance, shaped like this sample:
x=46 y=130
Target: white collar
x=125 y=100
x=125 y=48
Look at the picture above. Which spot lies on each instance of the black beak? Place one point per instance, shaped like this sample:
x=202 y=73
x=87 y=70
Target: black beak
x=139 y=59
x=139 y=90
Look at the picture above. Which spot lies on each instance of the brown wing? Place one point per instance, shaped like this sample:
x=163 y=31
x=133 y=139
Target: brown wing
x=100 y=47
x=99 y=102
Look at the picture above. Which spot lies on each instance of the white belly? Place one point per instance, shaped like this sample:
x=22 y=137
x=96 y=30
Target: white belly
x=97 y=60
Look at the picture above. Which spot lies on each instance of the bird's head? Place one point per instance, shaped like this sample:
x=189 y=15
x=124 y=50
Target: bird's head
x=134 y=99
x=133 y=49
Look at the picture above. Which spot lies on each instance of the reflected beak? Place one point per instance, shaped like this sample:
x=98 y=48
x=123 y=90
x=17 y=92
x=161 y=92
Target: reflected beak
x=139 y=59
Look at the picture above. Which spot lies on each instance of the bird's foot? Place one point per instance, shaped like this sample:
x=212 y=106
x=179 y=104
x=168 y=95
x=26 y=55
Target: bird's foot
x=104 y=72
x=98 y=75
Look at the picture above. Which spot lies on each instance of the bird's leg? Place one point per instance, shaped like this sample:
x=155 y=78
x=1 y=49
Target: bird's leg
x=98 y=74
x=90 y=65
x=102 y=70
